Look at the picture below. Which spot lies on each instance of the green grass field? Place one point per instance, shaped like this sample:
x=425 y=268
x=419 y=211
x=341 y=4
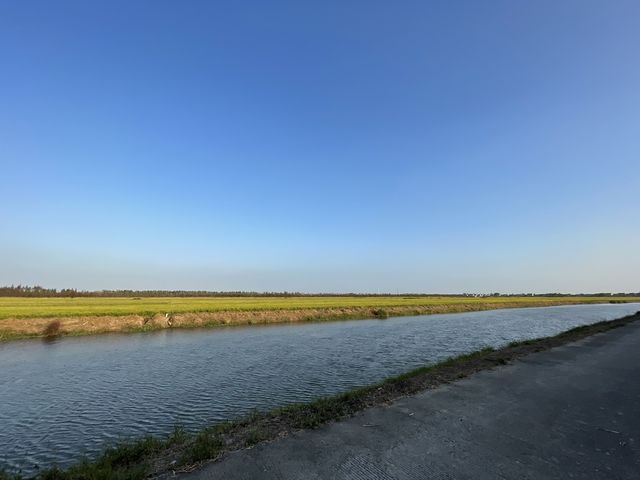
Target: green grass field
x=14 y=307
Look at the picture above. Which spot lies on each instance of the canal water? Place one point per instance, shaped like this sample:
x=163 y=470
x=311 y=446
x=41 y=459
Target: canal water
x=72 y=397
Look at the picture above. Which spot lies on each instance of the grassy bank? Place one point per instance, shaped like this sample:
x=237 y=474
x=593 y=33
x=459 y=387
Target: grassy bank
x=37 y=317
x=180 y=452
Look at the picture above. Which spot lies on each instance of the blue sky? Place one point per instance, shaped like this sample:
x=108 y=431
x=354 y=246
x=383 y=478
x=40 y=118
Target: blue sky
x=328 y=146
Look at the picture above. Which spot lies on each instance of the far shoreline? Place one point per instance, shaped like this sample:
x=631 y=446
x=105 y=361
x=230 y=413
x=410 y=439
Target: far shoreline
x=80 y=325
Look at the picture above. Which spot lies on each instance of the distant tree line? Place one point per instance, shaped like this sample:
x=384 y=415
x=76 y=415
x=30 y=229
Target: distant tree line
x=38 y=291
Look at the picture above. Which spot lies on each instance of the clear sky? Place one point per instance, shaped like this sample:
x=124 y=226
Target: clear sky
x=451 y=146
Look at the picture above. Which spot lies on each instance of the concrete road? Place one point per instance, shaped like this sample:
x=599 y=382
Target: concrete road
x=571 y=412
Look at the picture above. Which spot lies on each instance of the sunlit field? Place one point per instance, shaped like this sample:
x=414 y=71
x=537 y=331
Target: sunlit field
x=11 y=307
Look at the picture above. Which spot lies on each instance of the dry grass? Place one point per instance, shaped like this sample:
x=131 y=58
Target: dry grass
x=32 y=317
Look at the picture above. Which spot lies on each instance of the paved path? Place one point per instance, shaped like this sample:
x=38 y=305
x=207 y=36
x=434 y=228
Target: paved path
x=571 y=412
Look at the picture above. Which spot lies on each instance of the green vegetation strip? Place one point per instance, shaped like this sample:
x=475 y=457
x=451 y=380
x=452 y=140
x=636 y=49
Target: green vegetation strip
x=21 y=307
x=181 y=452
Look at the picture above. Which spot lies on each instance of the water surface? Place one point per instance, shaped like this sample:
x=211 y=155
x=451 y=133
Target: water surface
x=62 y=400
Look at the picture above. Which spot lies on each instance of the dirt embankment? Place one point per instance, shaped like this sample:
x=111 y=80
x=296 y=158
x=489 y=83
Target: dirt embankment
x=13 y=328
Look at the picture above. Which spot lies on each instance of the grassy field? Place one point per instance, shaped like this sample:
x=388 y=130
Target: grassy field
x=13 y=307
x=49 y=317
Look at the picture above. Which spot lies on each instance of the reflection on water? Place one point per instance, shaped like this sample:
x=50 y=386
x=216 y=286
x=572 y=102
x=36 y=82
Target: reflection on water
x=68 y=397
